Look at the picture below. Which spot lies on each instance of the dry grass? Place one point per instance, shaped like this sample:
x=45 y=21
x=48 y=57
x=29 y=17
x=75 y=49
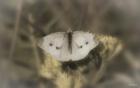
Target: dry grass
x=23 y=22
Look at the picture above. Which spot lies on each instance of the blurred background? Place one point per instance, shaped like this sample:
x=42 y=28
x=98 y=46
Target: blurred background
x=23 y=22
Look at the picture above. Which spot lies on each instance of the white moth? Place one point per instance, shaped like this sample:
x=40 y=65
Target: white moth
x=69 y=46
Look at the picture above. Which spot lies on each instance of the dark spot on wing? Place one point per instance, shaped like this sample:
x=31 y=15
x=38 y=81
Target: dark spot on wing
x=58 y=47
x=87 y=43
x=81 y=46
x=51 y=44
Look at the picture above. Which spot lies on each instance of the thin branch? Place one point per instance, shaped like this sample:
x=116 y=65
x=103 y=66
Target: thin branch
x=33 y=41
x=18 y=15
x=34 y=46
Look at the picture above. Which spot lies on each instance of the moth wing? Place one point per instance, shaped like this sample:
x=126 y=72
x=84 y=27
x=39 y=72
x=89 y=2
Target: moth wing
x=83 y=43
x=54 y=44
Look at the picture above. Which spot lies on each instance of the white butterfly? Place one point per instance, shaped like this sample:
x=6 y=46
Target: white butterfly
x=69 y=46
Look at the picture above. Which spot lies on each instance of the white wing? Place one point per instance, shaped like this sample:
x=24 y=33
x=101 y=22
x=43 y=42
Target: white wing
x=56 y=45
x=83 y=43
